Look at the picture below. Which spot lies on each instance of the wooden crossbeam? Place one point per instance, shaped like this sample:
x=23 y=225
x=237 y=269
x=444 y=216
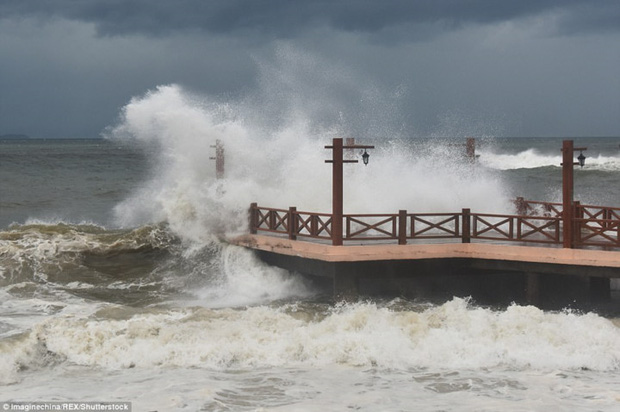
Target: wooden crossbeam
x=537 y=229
x=493 y=227
x=314 y=225
x=600 y=231
x=262 y=218
x=279 y=220
x=368 y=226
x=432 y=225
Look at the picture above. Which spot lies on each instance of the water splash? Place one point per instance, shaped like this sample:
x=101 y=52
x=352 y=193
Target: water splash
x=279 y=167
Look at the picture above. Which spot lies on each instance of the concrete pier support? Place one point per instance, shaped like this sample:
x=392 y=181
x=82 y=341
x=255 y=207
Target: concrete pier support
x=600 y=289
x=550 y=278
x=532 y=288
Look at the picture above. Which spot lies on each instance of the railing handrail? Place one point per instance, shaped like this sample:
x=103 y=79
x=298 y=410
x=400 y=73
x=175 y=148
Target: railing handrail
x=464 y=225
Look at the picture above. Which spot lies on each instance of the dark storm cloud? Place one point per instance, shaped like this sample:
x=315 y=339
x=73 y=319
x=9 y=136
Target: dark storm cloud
x=518 y=67
x=286 y=18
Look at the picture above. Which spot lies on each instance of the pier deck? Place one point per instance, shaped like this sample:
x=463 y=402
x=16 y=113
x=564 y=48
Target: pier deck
x=545 y=276
x=579 y=258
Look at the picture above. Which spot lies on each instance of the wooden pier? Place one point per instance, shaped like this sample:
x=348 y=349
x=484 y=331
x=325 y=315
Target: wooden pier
x=494 y=258
x=548 y=254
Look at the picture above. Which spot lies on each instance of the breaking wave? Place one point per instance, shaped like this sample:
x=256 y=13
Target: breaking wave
x=532 y=159
x=454 y=335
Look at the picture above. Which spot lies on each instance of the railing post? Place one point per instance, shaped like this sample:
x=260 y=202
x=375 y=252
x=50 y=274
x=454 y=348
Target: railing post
x=521 y=206
x=402 y=227
x=466 y=235
x=292 y=223
x=253 y=228
x=314 y=225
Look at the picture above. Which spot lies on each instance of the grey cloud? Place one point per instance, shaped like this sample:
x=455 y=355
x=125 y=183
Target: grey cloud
x=287 y=18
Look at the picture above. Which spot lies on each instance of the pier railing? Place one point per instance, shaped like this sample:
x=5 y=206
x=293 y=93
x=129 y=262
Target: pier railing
x=594 y=226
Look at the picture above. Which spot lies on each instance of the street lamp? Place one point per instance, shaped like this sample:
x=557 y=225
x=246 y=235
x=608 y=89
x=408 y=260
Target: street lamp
x=337 y=187
x=568 y=206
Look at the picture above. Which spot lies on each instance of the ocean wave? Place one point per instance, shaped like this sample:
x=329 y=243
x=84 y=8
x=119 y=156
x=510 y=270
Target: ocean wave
x=532 y=159
x=54 y=252
x=454 y=335
x=137 y=267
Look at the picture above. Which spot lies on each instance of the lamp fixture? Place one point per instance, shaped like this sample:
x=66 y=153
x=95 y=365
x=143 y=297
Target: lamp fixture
x=365 y=157
x=582 y=159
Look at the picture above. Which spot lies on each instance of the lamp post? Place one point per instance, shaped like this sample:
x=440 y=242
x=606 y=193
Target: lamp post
x=337 y=186
x=219 y=159
x=470 y=149
x=568 y=206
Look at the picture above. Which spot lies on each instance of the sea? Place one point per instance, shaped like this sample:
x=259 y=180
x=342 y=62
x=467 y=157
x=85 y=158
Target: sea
x=117 y=283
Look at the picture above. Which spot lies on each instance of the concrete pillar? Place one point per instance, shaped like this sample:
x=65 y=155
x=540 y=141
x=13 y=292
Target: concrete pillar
x=532 y=288
x=600 y=289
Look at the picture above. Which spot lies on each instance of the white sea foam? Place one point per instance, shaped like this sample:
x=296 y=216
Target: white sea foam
x=451 y=336
x=242 y=279
x=531 y=159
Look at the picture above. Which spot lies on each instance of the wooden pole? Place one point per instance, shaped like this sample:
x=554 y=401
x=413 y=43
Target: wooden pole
x=350 y=152
x=567 y=193
x=219 y=159
x=337 y=192
x=337 y=161
x=470 y=149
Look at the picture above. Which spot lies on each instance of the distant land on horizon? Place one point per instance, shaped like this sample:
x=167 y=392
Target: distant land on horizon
x=14 y=136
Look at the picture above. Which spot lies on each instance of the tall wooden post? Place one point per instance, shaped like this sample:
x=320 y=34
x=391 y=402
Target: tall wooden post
x=219 y=159
x=568 y=205
x=567 y=193
x=337 y=186
x=470 y=149
x=337 y=192
x=350 y=152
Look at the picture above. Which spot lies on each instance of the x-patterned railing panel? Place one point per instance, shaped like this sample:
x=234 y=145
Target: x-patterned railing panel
x=314 y=225
x=271 y=220
x=599 y=232
x=434 y=226
x=492 y=226
x=379 y=227
x=538 y=229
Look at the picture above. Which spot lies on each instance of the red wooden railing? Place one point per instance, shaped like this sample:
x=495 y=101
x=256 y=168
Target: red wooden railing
x=595 y=225
x=541 y=224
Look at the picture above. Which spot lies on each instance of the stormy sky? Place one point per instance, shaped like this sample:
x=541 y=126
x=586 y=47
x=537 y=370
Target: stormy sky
x=440 y=67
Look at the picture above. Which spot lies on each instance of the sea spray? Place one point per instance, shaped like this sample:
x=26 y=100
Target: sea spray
x=451 y=336
x=279 y=167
